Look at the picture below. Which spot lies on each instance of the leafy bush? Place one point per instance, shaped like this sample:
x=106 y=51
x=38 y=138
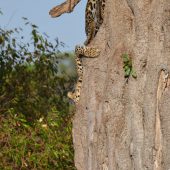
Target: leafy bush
x=35 y=117
x=47 y=145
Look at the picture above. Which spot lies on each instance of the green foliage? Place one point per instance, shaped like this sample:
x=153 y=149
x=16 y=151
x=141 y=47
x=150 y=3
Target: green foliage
x=28 y=81
x=127 y=66
x=1 y=13
x=47 y=145
x=35 y=118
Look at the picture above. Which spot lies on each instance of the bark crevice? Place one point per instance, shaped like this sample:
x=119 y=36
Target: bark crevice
x=126 y=126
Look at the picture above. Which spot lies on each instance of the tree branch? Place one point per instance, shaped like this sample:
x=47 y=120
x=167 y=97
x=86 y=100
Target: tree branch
x=65 y=7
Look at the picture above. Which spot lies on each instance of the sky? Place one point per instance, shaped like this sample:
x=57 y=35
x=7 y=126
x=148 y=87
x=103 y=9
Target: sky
x=68 y=28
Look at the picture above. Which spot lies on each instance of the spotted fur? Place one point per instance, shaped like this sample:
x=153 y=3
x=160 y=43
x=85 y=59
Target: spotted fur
x=81 y=52
x=94 y=19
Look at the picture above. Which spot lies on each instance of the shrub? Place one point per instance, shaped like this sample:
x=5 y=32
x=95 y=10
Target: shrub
x=35 y=117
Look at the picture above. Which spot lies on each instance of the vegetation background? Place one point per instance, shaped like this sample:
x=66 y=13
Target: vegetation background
x=35 y=113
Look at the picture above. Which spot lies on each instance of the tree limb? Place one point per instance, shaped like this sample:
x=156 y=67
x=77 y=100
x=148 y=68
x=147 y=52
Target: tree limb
x=65 y=7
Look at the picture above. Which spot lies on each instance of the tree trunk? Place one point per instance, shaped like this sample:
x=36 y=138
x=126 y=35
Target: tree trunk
x=119 y=124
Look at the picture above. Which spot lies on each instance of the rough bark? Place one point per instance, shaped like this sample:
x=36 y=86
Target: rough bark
x=121 y=125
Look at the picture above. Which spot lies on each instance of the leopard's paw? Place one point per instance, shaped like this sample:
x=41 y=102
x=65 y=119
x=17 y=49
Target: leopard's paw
x=73 y=96
x=90 y=52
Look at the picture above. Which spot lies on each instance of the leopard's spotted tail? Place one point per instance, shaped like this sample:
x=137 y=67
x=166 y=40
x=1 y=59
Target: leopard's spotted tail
x=81 y=51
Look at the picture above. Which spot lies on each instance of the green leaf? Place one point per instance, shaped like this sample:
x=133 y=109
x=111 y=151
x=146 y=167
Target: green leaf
x=24 y=18
x=125 y=58
x=127 y=72
x=133 y=73
x=126 y=67
x=34 y=26
x=27 y=23
x=1 y=39
x=14 y=43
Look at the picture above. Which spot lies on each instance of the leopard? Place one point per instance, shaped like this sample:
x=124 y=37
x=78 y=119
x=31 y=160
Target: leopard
x=94 y=16
x=81 y=51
